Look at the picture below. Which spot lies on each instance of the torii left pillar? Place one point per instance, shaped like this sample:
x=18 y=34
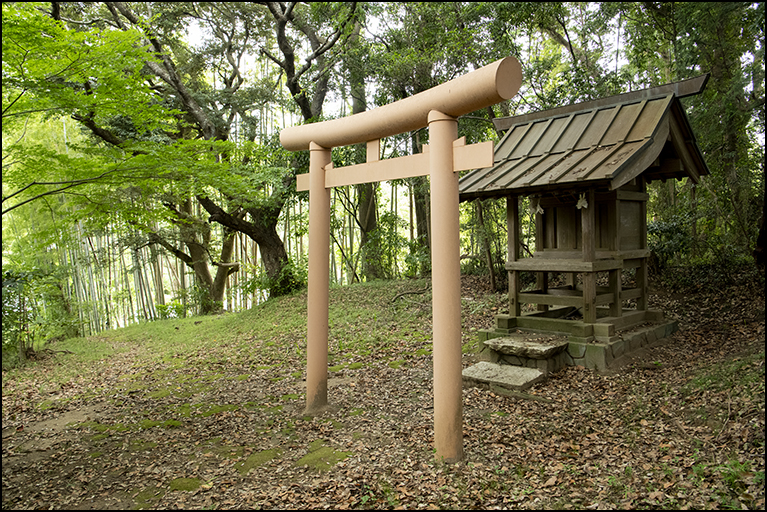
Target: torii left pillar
x=446 y=288
x=319 y=281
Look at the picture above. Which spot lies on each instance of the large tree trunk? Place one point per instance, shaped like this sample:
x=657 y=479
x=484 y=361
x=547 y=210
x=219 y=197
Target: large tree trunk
x=196 y=237
x=368 y=222
x=224 y=269
x=263 y=231
x=281 y=276
x=366 y=196
x=420 y=188
x=759 y=256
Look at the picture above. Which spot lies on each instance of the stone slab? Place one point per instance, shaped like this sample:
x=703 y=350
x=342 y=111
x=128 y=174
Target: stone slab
x=531 y=346
x=505 y=376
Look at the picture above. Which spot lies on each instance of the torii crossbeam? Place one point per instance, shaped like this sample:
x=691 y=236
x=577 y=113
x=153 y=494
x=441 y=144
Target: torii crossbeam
x=438 y=109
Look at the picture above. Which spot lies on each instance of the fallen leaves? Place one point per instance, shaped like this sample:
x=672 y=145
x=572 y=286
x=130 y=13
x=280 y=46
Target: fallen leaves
x=675 y=436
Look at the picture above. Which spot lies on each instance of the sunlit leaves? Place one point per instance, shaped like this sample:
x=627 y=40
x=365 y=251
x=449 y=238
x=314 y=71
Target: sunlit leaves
x=49 y=68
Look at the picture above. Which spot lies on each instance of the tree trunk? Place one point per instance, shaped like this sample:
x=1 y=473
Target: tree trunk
x=483 y=238
x=370 y=246
x=366 y=197
x=422 y=222
x=759 y=256
x=224 y=269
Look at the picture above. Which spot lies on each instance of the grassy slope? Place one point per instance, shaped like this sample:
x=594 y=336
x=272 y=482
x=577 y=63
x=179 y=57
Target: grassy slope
x=362 y=319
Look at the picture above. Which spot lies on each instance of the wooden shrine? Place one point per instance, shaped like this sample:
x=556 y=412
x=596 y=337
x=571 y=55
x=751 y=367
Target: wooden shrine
x=585 y=168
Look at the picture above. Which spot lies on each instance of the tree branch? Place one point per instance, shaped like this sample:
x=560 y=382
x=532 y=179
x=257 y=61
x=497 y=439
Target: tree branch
x=69 y=184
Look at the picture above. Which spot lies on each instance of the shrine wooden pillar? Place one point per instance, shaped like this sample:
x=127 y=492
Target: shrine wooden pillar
x=512 y=223
x=588 y=233
x=446 y=288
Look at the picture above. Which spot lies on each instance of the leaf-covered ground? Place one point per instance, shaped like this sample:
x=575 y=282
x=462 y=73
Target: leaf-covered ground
x=207 y=413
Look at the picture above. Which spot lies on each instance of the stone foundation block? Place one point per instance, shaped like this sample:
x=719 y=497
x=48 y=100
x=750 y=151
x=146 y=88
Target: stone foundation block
x=576 y=350
x=598 y=356
x=580 y=339
x=618 y=349
x=489 y=355
x=519 y=346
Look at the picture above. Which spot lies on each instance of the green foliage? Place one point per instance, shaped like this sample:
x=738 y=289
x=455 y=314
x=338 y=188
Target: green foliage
x=386 y=245
x=675 y=41
x=35 y=310
x=292 y=277
x=15 y=317
x=670 y=241
x=174 y=309
x=48 y=68
x=418 y=258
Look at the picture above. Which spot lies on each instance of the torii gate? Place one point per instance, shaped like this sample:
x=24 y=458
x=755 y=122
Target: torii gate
x=438 y=109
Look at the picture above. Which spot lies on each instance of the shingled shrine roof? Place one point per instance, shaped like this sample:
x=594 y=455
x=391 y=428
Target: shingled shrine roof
x=602 y=143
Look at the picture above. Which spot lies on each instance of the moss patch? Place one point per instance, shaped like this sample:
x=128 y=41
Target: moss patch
x=99 y=427
x=322 y=457
x=257 y=459
x=148 y=497
x=336 y=424
x=185 y=484
x=160 y=393
x=139 y=445
x=215 y=409
x=46 y=404
x=396 y=364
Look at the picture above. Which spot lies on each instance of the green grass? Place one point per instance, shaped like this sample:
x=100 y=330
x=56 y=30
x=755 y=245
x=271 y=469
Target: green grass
x=271 y=337
x=747 y=371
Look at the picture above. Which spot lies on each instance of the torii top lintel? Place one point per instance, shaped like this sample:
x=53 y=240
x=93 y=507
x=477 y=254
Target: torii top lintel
x=481 y=88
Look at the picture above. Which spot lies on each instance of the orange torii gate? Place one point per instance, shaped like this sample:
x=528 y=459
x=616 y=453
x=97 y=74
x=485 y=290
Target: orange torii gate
x=438 y=109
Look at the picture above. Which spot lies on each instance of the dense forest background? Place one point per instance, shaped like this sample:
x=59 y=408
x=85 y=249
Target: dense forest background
x=143 y=178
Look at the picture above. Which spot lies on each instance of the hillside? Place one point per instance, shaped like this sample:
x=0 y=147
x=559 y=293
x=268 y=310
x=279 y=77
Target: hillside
x=207 y=413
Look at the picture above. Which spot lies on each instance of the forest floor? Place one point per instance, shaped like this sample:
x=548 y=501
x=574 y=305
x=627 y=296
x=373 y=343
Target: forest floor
x=207 y=413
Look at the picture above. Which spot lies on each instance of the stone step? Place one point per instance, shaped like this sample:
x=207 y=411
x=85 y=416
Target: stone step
x=532 y=346
x=515 y=378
